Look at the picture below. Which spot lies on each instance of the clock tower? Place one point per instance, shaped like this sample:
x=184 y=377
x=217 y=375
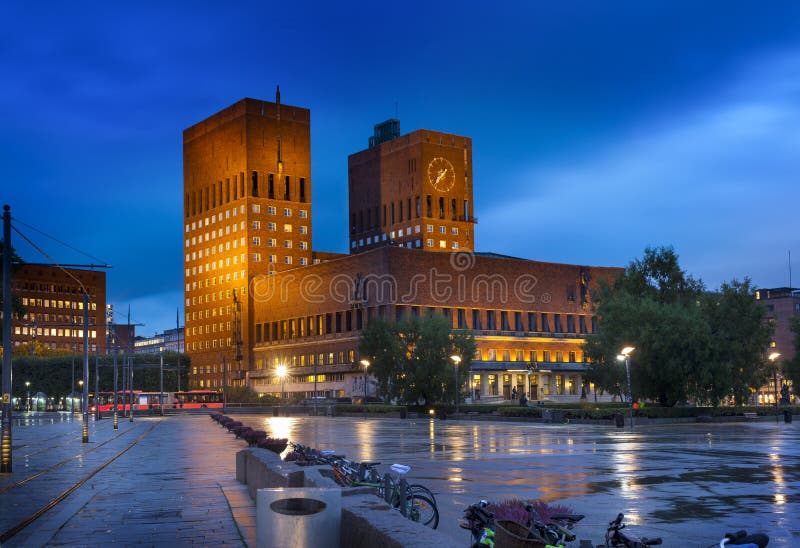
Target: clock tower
x=412 y=190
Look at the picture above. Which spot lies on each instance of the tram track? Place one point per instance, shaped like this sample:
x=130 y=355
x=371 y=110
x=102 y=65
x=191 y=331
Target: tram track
x=22 y=524
x=59 y=464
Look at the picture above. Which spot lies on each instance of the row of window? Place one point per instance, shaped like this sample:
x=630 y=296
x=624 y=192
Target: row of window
x=51 y=332
x=53 y=288
x=209 y=197
x=54 y=303
x=429 y=243
x=228 y=229
x=370 y=218
x=480 y=319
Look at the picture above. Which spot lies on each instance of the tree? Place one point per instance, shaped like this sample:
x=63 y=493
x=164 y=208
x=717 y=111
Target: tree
x=793 y=366
x=690 y=344
x=740 y=336
x=17 y=309
x=411 y=358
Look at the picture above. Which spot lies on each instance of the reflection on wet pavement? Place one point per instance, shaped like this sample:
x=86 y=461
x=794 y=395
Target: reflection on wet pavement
x=688 y=483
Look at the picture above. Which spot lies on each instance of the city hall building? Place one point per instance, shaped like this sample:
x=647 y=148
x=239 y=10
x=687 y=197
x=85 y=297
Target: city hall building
x=257 y=297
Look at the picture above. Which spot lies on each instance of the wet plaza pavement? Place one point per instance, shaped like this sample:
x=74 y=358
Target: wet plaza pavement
x=688 y=483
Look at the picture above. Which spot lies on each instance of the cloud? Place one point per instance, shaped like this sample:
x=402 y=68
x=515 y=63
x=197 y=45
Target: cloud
x=717 y=182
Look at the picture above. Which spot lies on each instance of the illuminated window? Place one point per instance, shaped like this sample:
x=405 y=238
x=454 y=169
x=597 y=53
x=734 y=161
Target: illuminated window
x=442 y=244
x=287 y=227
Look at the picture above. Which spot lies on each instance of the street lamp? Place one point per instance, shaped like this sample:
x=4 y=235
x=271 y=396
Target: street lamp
x=625 y=354
x=366 y=364
x=281 y=372
x=773 y=357
x=80 y=385
x=27 y=395
x=456 y=360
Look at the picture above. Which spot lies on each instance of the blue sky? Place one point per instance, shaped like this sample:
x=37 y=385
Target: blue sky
x=603 y=127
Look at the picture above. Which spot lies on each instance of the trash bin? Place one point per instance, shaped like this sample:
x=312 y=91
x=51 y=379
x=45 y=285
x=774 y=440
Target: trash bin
x=275 y=410
x=619 y=420
x=300 y=517
x=787 y=415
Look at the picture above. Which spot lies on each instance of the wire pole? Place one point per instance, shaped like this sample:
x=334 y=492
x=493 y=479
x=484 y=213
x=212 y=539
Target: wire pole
x=85 y=367
x=5 y=443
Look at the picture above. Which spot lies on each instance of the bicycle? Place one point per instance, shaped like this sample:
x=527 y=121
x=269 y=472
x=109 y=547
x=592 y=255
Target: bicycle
x=479 y=521
x=740 y=539
x=555 y=532
x=617 y=538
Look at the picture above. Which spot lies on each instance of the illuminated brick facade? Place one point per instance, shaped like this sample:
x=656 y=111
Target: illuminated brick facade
x=53 y=302
x=411 y=243
x=247 y=211
x=529 y=318
x=413 y=190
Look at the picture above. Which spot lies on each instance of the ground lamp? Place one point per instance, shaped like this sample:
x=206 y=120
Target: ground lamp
x=366 y=364
x=456 y=360
x=773 y=357
x=625 y=354
x=281 y=372
x=27 y=395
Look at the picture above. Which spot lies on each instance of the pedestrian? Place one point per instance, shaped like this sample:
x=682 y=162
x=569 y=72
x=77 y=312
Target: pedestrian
x=523 y=401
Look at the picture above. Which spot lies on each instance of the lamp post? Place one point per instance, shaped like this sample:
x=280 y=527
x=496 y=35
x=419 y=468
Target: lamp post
x=27 y=395
x=80 y=389
x=773 y=357
x=281 y=372
x=456 y=360
x=161 y=383
x=366 y=364
x=625 y=354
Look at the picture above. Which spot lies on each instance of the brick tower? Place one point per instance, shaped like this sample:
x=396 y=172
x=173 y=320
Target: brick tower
x=413 y=190
x=247 y=212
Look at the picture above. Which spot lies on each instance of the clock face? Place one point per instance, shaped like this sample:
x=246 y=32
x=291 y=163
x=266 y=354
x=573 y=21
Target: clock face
x=441 y=174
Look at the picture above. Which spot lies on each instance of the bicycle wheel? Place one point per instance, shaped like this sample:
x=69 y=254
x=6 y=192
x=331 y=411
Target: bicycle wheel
x=416 y=488
x=423 y=510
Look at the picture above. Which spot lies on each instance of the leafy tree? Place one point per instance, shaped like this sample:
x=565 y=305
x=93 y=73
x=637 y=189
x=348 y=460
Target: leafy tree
x=740 y=336
x=792 y=367
x=17 y=309
x=690 y=344
x=411 y=358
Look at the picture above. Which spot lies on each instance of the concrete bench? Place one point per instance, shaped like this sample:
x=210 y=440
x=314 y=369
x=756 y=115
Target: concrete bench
x=750 y=415
x=367 y=521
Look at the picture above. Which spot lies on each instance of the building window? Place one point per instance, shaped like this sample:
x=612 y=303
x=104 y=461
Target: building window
x=287 y=227
x=256 y=240
x=429 y=205
x=271 y=210
x=256 y=208
x=272 y=242
x=302 y=189
x=417 y=207
x=303 y=229
x=256 y=257
x=442 y=230
x=287 y=259
x=545 y=323
x=271 y=189
x=287 y=244
x=441 y=207
x=303 y=214
x=256 y=225
x=272 y=226
x=442 y=244
x=287 y=212
x=428 y=228
x=428 y=243
x=454 y=245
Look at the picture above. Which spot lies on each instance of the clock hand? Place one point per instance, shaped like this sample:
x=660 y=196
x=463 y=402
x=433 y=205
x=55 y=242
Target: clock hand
x=442 y=173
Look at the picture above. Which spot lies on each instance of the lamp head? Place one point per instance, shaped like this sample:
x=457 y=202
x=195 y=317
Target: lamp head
x=627 y=351
x=456 y=359
x=774 y=356
x=281 y=371
x=365 y=363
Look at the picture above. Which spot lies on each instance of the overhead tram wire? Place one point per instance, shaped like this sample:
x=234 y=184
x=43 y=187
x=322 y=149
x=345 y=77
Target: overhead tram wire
x=103 y=265
x=85 y=428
